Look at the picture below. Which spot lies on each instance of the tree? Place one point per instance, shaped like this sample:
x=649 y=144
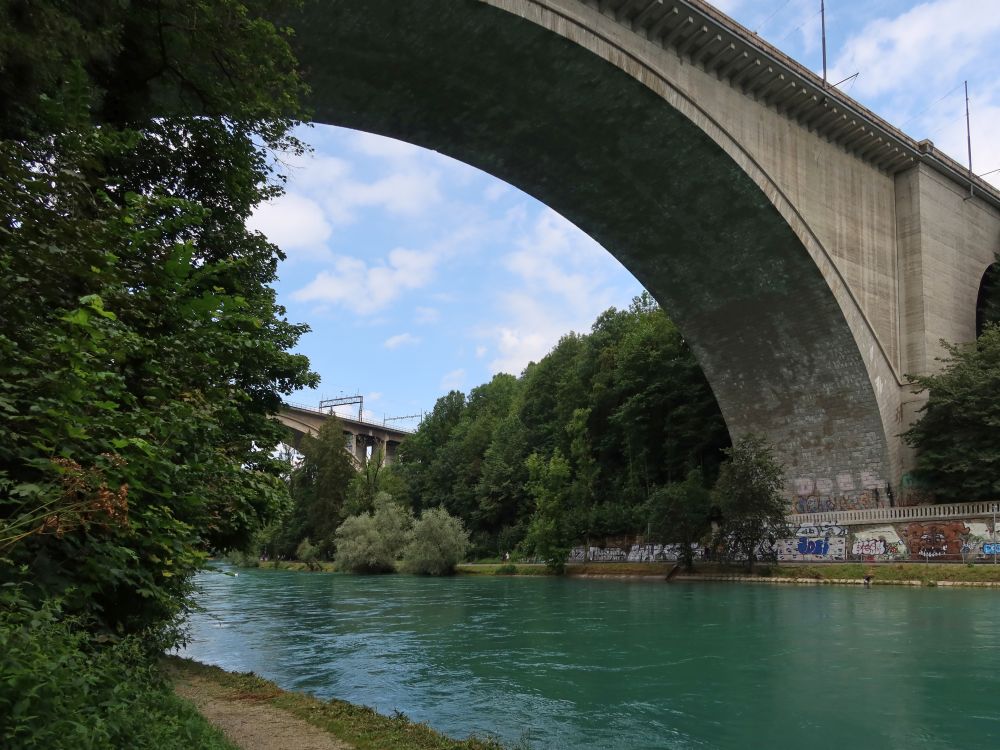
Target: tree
x=319 y=490
x=142 y=352
x=958 y=437
x=748 y=495
x=374 y=478
x=372 y=542
x=549 y=534
x=438 y=542
x=679 y=513
x=426 y=478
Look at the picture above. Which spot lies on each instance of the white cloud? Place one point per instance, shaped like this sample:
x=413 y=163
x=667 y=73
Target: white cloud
x=453 y=380
x=563 y=277
x=365 y=289
x=556 y=259
x=294 y=223
x=400 y=339
x=425 y=315
x=403 y=193
x=496 y=191
x=410 y=188
x=481 y=352
x=371 y=144
x=930 y=44
x=912 y=67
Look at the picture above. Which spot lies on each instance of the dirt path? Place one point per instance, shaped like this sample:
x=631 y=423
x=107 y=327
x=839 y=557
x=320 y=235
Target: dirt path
x=251 y=723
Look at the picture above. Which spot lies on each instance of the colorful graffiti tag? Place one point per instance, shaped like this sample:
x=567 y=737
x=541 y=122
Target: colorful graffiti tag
x=821 y=529
x=879 y=543
x=634 y=553
x=936 y=540
x=804 y=548
x=826 y=503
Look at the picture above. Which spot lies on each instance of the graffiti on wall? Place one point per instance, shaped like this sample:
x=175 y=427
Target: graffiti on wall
x=826 y=503
x=879 y=543
x=656 y=552
x=812 y=549
x=634 y=553
x=821 y=529
x=975 y=542
x=935 y=540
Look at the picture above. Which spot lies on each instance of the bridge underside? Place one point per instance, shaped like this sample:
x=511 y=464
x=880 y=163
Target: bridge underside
x=608 y=152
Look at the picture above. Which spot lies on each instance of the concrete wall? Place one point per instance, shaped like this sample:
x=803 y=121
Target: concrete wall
x=948 y=540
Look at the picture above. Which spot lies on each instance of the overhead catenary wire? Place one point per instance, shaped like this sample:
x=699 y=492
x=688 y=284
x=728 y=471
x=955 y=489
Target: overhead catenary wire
x=930 y=106
x=780 y=8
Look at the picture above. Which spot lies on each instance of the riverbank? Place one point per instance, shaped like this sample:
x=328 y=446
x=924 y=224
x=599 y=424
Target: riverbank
x=913 y=574
x=255 y=714
x=905 y=574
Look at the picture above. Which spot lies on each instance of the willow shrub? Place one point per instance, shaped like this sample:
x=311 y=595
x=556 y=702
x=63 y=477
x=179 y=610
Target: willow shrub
x=437 y=544
x=372 y=542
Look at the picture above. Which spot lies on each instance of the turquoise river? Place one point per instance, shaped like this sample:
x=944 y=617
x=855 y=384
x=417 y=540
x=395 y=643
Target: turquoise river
x=570 y=663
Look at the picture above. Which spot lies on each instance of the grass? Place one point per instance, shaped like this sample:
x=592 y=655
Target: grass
x=928 y=574
x=362 y=727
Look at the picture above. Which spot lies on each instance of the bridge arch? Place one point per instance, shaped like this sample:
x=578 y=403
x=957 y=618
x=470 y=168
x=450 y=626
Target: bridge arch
x=538 y=93
x=988 y=299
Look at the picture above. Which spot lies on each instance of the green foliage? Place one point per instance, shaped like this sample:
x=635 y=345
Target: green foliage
x=626 y=406
x=550 y=535
x=142 y=351
x=307 y=552
x=61 y=692
x=679 y=513
x=319 y=488
x=988 y=301
x=958 y=437
x=375 y=477
x=372 y=542
x=438 y=542
x=748 y=496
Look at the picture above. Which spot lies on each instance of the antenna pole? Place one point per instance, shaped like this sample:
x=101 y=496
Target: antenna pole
x=822 y=17
x=968 y=136
x=968 y=128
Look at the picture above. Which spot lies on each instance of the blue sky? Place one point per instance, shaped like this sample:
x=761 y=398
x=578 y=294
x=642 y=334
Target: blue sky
x=419 y=274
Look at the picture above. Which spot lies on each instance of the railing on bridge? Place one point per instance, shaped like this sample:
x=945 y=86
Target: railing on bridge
x=326 y=413
x=908 y=513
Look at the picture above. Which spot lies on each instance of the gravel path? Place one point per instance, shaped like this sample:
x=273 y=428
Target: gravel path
x=250 y=723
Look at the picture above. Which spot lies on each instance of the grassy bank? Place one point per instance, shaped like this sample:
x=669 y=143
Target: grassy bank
x=927 y=574
x=360 y=726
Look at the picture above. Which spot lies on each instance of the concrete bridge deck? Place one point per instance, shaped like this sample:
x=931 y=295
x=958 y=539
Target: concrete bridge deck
x=361 y=436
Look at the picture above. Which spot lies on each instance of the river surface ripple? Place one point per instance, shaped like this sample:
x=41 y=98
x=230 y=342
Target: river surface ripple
x=569 y=663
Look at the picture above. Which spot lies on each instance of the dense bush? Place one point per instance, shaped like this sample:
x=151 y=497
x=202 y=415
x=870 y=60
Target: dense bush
x=437 y=544
x=957 y=440
x=59 y=691
x=372 y=542
x=142 y=348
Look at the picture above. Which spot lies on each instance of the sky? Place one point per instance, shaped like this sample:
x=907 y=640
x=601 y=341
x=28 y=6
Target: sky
x=419 y=274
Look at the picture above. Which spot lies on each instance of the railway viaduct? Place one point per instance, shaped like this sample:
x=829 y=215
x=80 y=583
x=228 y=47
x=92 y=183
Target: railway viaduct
x=811 y=253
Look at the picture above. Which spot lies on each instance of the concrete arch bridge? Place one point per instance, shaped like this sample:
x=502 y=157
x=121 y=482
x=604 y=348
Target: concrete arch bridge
x=811 y=253
x=361 y=439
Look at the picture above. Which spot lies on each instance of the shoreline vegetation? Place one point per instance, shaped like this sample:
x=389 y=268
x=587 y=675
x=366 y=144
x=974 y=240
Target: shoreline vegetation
x=248 y=699
x=911 y=573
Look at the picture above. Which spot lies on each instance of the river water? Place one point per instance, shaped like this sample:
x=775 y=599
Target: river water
x=570 y=663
